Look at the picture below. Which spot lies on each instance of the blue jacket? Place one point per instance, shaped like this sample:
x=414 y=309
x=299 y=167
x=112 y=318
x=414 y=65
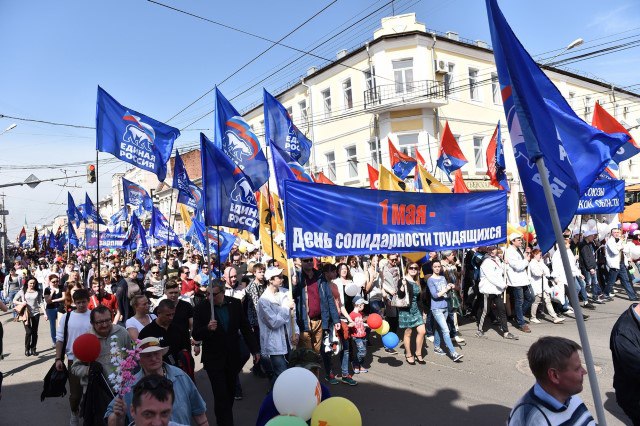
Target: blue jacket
x=329 y=312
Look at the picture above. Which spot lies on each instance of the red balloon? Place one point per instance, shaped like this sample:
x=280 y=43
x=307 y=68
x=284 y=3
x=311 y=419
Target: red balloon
x=86 y=347
x=374 y=321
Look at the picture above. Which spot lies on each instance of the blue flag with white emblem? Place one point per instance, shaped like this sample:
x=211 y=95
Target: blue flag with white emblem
x=90 y=213
x=234 y=136
x=73 y=238
x=228 y=195
x=542 y=124
x=136 y=236
x=162 y=231
x=73 y=215
x=188 y=193
x=133 y=137
x=119 y=216
x=285 y=169
x=137 y=197
x=196 y=237
x=281 y=132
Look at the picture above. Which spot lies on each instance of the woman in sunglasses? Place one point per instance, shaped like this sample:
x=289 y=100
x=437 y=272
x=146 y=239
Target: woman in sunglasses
x=410 y=318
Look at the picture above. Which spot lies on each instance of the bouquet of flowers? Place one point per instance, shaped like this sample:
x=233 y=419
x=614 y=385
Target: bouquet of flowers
x=123 y=377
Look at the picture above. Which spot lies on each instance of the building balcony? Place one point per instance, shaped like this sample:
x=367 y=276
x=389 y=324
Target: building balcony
x=401 y=95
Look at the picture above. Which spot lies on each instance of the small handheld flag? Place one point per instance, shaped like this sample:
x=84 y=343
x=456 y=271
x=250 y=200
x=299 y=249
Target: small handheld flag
x=495 y=161
x=401 y=163
x=450 y=157
x=281 y=132
x=604 y=121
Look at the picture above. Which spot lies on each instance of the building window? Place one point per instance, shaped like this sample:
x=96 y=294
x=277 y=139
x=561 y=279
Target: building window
x=326 y=100
x=477 y=152
x=369 y=79
x=495 y=88
x=448 y=79
x=407 y=143
x=262 y=125
x=473 y=84
x=572 y=96
x=403 y=75
x=375 y=153
x=331 y=165
x=290 y=112
x=348 y=94
x=587 y=107
x=304 y=116
x=352 y=161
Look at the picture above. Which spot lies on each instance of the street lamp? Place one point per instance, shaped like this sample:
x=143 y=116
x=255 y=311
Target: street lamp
x=11 y=127
x=575 y=43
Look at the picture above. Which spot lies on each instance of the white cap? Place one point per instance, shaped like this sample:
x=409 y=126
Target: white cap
x=590 y=232
x=514 y=235
x=272 y=272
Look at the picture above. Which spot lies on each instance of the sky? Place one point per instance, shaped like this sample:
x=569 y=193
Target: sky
x=157 y=61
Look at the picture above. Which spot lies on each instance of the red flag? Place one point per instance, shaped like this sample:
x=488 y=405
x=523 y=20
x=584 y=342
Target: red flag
x=373 y=177
x=602 y=120
x=321 y=178
x=419 y=157
x=459 y=187
x=492 y=172
x=450 y=157
x=401 y=163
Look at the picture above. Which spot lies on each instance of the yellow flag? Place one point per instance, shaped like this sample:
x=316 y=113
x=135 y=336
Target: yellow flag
x=270 y=247
x=185 y=215
x=390 y=182
x=430 y=183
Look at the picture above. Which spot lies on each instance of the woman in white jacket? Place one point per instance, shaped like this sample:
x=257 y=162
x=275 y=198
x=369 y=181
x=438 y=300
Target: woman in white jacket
x=274 y=317
x=539 y=274
x=492 y=284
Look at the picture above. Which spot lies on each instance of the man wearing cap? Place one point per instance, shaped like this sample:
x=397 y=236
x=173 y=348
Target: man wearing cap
x=589 y=265
x=220 y=338
x=517 y=261
x=188 y=403
x=275 y=316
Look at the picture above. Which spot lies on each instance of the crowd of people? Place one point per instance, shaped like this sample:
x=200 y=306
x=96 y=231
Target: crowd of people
x=263 y=311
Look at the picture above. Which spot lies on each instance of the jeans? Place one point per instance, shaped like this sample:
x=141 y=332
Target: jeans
x=12 y=294
x=361 y=350
x=523 y=300
x=52 y=315
x=440 y=317
x=624 y=279
x=344 y=357
x=278 y=365
x=429 y=324
x=592 y=279
x=581 y=286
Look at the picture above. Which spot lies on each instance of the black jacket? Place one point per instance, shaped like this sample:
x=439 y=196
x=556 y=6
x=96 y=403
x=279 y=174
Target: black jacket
x=587 y=257
x=625 y=349
x=221 y=348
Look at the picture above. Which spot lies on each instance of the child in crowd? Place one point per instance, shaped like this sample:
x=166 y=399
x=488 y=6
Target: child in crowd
x=359 y=335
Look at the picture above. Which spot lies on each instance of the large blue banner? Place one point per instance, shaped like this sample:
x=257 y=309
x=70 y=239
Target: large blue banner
x=604 y=197
x=318 y=223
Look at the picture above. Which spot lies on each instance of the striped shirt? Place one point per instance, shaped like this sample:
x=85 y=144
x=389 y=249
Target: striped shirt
x=537 y=407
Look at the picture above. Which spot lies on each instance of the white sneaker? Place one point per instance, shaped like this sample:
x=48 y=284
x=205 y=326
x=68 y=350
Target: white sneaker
x=459 y=339
x=558 y=320
x=74 y=420
x=430 y=338
x=569 y=311
x=535 y=320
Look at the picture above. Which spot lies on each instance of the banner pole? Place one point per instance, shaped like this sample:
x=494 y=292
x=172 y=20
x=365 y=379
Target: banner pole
x=166 y=254
x=291 y=313
x=98 y=210
x=573 y=294
x=210 y=289
x=271 y=213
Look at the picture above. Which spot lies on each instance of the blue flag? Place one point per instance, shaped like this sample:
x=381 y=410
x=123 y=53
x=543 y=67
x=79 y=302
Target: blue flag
x=133 y=137
x=196 y=237
x=53 y=241
x=136 y=232
x=281 y=132
x=234 y=136
x=73 y=238
x=119 y=216
x=282 y=171
x=73 y=214
x=542 y=124
x=137 y=197
x=61 y=241
x=188 y=193
x=162 y=231
x=90 y=212
x=228 y=195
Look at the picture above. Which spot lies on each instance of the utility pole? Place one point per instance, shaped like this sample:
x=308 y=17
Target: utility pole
x=4 y=213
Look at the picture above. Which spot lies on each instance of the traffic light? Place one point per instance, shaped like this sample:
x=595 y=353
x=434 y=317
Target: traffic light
x=91 y=173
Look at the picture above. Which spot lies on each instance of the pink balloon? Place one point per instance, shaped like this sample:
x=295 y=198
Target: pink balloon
x=626 y=226
x=633 y=227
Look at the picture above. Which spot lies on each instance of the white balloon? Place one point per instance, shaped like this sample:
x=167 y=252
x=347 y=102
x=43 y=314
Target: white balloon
x=591 y=223
x=352 y=289
x=297 y=392
x=359 y=279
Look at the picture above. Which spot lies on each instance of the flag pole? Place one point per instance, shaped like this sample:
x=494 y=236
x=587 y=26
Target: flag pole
x=573 y=293
x=271 y=213
x=210 y=289
x=166 y=254
x=98 y=210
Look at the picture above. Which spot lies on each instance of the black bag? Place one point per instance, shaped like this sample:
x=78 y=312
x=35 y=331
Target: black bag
x=96 y=398
x=55 y=381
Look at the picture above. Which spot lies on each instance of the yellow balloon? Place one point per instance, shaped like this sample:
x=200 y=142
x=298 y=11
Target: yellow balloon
x=336 y=411
x=384 y=328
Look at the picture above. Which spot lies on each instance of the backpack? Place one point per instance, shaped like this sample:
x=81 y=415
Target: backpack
x=476 y=261
x=55 y=381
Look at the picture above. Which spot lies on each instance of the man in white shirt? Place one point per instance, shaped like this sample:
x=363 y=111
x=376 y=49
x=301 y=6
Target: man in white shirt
x=617 y=264
x=517 y=260
x=79 y=323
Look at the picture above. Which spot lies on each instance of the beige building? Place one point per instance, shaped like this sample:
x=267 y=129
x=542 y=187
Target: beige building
x=404 y=85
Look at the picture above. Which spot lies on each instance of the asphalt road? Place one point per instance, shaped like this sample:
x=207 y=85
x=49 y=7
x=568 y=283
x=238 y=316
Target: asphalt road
x=479 y=391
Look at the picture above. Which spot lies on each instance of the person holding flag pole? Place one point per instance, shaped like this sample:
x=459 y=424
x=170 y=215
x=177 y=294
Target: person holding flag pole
x=554 y=149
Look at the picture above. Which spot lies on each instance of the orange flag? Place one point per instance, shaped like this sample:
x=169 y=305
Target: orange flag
x=373 y=176
x=419 y=157
x=459 y=187
x=321 y=178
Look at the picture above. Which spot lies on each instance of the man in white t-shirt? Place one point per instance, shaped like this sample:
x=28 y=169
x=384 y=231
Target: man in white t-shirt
x=79 y=323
